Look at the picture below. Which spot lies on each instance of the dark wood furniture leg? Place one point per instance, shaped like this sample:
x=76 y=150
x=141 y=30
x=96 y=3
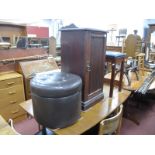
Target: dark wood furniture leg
x=121 y=75
x=112 y=79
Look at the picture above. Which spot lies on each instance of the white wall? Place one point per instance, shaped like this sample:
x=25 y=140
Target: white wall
x=83 y=22
x=104 y=24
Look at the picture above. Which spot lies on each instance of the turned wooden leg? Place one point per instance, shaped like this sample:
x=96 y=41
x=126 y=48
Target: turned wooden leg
x=112 y=80
x=121 y=75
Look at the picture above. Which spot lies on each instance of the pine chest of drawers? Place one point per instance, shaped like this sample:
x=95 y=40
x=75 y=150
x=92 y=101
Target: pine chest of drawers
x=11 y=95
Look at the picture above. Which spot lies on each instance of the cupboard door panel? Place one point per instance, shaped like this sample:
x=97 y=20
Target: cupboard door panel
x=96 y=64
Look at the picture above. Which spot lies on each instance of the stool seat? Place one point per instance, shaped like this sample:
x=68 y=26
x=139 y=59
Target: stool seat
x=55 y=84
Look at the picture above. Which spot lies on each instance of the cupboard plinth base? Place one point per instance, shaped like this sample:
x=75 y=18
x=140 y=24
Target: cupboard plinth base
x=87 y=104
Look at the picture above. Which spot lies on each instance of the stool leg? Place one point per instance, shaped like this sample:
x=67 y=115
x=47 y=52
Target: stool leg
x=112 y=80
x=121 y=75
x=137 y=76
x=127 y=76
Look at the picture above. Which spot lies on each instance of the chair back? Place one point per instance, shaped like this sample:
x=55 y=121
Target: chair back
x=133 y=45
x=122 y=32
x=111 y=125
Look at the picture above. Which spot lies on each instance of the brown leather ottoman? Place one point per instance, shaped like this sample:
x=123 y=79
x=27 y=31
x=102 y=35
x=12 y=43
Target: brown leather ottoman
x=56 y=98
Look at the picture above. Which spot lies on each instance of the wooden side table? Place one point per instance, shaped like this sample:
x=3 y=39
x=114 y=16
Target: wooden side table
x=115 y=58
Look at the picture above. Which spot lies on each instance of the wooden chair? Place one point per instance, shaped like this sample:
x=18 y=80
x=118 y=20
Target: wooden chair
x=12 y=126
x=132 y=46
x=112 y=124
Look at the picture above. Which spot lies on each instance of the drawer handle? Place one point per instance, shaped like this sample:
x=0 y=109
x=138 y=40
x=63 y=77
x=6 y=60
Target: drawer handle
x=12 y=92
x=15 y=111
x=11 y=83
x=13 y=102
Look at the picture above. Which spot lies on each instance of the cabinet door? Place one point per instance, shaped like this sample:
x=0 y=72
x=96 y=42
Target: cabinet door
x=95 y=65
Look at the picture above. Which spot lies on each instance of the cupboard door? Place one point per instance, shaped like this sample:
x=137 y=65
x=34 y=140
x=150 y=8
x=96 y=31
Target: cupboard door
x=95 y=65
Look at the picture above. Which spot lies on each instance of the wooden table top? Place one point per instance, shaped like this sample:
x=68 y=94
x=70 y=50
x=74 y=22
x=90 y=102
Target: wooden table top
x=5 y=128
x=90 y=117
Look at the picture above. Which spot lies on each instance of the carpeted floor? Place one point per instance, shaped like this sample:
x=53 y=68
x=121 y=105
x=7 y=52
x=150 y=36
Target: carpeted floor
x=144 y=115
x=27 y=127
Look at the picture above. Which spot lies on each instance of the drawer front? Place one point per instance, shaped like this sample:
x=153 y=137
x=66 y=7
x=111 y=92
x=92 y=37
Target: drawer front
x=11 y=100
x=12 y=112
x=10 y=82
x=11 y=92
x=20 y=118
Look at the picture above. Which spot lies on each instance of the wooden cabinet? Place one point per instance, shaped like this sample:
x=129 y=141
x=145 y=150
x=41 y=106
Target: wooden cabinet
x=83 y=53
x=11 y=94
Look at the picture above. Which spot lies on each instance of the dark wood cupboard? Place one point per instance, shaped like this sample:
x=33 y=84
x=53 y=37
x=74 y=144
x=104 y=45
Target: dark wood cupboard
x=83 y=53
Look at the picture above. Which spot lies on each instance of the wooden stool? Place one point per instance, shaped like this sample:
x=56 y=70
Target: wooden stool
x=140 y=57
x=115 y=58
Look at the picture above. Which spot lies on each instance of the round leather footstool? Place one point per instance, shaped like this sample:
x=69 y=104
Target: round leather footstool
x=56 y=98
